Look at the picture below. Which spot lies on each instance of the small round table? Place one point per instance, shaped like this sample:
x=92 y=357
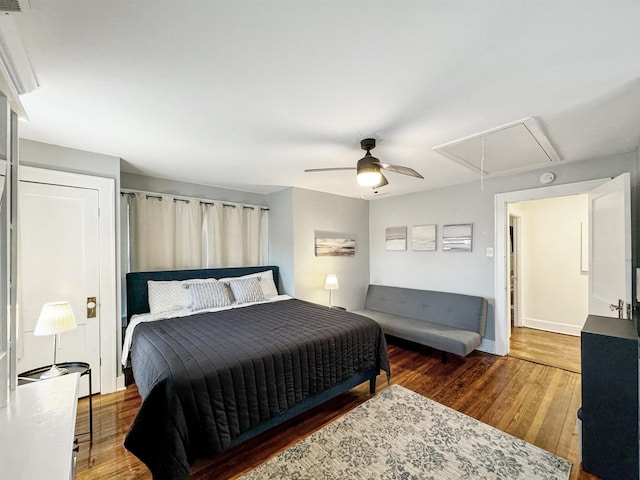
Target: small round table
x=82 y=368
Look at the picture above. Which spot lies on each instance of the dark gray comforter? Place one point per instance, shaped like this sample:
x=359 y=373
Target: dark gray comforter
x=208 y=378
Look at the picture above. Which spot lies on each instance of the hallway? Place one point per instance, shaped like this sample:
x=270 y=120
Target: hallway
x=547 y=348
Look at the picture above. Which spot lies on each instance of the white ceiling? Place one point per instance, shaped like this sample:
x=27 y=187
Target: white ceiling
x=247 y=94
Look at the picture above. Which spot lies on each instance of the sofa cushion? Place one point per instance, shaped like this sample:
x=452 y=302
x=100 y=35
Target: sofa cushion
x=464 y=312
x=445 y=338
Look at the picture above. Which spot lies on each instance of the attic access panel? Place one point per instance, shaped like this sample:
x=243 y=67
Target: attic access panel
x=508 y=147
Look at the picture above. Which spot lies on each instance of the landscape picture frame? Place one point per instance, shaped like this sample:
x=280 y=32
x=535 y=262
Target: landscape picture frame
x=396 y=238
x=424 y=238
x=457 y=237
x=327 y=246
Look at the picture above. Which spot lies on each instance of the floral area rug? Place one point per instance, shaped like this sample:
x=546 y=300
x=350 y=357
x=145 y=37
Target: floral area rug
x=399 y=434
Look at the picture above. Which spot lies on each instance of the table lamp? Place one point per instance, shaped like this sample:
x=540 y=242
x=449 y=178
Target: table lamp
x=55 y=318
x=331 y=283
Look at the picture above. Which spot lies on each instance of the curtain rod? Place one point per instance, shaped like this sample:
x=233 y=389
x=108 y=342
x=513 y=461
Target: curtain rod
x=187 y=199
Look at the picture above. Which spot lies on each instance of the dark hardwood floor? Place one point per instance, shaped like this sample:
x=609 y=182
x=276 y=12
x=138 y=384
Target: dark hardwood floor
x=534 y=402
x=547 y=348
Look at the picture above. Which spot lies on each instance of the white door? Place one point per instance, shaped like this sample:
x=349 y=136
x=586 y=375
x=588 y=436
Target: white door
x=610 y=246
x=59 y=260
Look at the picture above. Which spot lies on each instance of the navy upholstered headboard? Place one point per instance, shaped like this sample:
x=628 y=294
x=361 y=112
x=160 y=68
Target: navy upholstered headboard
x=137 y=294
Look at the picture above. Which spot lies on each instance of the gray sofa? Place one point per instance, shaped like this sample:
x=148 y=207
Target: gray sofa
x=449 y=322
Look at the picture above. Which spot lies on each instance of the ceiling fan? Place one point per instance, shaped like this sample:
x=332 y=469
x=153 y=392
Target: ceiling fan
x=369 y=168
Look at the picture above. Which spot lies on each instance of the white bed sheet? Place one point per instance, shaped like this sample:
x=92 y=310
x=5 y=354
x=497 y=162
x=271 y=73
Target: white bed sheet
x=152 y=317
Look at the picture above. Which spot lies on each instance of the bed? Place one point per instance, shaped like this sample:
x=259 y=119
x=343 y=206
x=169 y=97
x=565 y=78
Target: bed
x=210 y=380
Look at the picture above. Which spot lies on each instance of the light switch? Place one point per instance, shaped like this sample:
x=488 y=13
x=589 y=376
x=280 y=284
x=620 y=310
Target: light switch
x=489 y=251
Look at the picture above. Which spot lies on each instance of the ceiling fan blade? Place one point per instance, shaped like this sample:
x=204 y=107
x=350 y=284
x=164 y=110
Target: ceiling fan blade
x=383 y=182
x=399 y=169
x=328 y=169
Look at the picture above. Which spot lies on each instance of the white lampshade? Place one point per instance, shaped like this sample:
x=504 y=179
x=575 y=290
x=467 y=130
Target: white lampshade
x=55 y=317
x=331 y=283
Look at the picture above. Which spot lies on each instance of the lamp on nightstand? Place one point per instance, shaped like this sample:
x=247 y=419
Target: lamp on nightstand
x=55 y=318
x=331 y=283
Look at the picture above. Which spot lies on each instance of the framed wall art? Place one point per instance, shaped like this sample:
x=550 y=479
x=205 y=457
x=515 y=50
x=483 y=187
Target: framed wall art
x=335 y=247
x=423 y=237
x=457 y=238
x=396 y=238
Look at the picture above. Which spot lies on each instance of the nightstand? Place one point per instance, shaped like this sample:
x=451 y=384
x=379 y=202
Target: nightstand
x=82 y=368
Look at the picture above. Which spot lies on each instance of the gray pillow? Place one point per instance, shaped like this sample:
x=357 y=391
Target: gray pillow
x=246 y=290
x=207 y=295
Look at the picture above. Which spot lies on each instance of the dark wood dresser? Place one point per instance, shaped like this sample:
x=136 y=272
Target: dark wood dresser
x=610 y=398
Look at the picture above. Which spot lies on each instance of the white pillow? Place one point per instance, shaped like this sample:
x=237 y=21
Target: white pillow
x=165 y=296
x=168 y=295
x=269 y=289
x=203 y=295
x=246 y=290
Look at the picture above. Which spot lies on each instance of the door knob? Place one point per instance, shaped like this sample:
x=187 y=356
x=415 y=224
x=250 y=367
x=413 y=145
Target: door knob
x=619 y=307
x=91 y=307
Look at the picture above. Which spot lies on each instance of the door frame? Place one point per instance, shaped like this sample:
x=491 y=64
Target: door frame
x=108 y=288
x=515 y=222
x=501 y=203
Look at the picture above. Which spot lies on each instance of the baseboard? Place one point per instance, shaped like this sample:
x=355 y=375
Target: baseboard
x=555 y=327
x=120 y=385
x=487 y=346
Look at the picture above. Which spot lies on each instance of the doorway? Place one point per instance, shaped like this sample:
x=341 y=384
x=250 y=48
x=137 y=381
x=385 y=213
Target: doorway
x=548 y=279
x=605 y=196
x=549 y=276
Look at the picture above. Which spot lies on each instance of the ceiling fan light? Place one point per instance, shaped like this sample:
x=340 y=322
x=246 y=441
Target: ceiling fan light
x=369 y=177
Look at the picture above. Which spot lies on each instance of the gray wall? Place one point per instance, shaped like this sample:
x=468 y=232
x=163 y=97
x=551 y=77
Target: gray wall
x=171 y=187
x=281 y=244
x=55 y=157
x=470 y=273
x=294 y=217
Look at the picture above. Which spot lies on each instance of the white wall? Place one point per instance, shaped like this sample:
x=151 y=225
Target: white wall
x=294 y=216
x=470 y=273
x=555 y=291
